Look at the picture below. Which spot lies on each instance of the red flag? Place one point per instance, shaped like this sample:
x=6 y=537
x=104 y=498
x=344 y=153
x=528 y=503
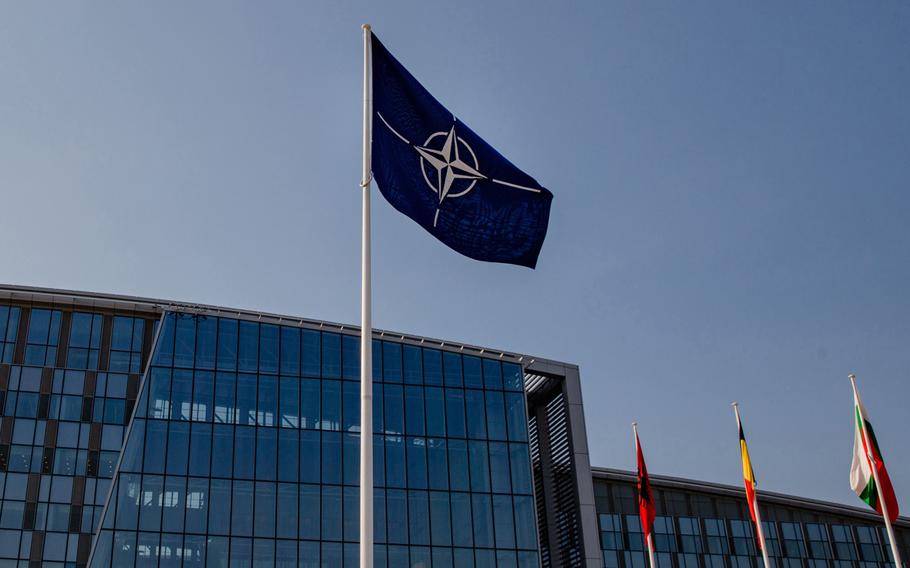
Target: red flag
x=646 y=510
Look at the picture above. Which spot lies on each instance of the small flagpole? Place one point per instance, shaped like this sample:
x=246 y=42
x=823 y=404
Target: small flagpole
x=366 y=325
x=878 y=485
x=759 y=529
x=650 y=540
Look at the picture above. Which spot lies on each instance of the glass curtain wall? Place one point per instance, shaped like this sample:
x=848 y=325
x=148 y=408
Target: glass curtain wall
x=245 y=449
x=60 y=434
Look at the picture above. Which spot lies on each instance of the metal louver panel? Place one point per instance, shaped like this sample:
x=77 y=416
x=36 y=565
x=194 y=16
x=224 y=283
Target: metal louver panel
x=553 y=468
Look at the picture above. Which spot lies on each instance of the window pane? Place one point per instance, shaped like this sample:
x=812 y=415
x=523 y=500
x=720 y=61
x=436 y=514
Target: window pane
x=473 y=377
x=432 y=367
x=39 y=326
x=287 y=510
x=200 y=449
x=391 y=362
x=331 y=405
x=520 y=466
x=515 y=416
x=393 y=414
x=455 y=413
x=121 y=335
x=268 y=348
x=440 y=519
x=225 y=407
x=350 y=407
x=504 y=526
x=331 y=513
x=205 y=342
x=417 y=463
x=181 y=394
x=458 y=465
x=331 y=457
x=525 y=533
x=290 y=351
x=480 y=466
x=350 y=357
x=435 y=412
x=222 y=450
x=414 y=413
x=80 y=329
x=331 y=355
x=173 y=501
x=310 y=456
x=477 y=421
x=248 y=351
x=185 y=346
x=413 y=367
x=310 y=512
x=438 y=463
x=397 y=515
x=395 y=461
x=246 y=399
x=496 y=418
x=244 y=456
x=288 y=454
x=266 y=453
x=419 y=517
x=150 y=502
x=482 y=509
x=204 y=387
x=227 y=344
x=350 y=458
x=268 y=400
x=242 y=508
x=311 y=353
x=264 y=521
x=309 y=403
x=452 y=364
x=178 y=448
x=499 y=467
x=289 y=401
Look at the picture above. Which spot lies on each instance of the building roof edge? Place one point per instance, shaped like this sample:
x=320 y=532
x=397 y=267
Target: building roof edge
x=156 y=305
x=735 y=491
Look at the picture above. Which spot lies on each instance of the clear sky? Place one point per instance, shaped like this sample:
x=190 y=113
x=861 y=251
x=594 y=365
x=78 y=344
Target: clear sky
x=731 y=217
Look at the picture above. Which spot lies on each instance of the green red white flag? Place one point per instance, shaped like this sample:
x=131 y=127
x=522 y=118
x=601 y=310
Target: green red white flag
x=861 y=478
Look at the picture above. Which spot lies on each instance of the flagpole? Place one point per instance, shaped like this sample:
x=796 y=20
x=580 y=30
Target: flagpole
x=649 y=542
x=366 y=326
x=759 y=529
x=878 y=485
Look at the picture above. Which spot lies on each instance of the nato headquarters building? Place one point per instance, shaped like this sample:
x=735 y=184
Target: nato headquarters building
x=154 y=433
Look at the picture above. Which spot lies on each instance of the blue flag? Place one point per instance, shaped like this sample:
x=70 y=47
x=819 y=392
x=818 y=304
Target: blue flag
x=434 y=169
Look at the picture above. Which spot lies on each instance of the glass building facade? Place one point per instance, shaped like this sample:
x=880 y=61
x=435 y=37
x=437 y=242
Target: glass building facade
x=700 y=526
x=139 y=432
x=239 y=446
x=65 y=408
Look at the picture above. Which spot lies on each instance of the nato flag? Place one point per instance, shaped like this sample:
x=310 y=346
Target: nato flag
x=434 y=169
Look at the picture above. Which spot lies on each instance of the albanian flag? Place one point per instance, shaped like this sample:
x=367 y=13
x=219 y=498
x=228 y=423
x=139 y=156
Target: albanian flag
x=646 y=510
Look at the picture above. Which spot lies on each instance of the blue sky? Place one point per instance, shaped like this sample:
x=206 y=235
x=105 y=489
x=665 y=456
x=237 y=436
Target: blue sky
x=730 y=218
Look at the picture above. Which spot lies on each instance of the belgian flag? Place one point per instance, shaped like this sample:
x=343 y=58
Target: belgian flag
x=749 y=481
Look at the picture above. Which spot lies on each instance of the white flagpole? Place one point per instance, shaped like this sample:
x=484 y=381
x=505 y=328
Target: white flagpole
x=366 y=325
x=878 y=485
x=759 y=529
x=650 y=540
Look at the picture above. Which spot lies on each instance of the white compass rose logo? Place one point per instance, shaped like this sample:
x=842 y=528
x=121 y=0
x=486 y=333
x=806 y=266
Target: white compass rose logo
x=449 y=165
